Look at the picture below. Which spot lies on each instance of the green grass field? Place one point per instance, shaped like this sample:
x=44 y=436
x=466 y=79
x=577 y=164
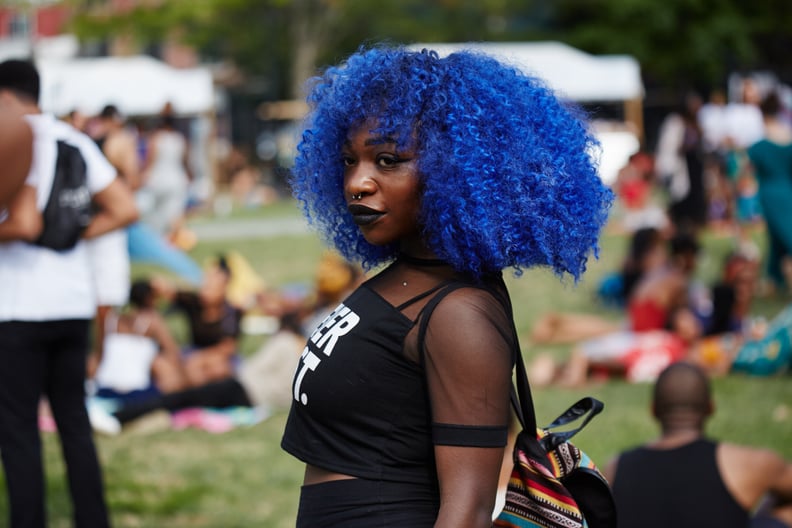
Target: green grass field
x=242 y=478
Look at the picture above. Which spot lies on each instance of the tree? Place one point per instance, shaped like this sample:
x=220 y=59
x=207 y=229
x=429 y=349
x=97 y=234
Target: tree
x=285 y=40
x=680 y=43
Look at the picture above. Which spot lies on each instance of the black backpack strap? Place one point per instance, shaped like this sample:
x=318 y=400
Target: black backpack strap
x=521 y=398
x=584 y=409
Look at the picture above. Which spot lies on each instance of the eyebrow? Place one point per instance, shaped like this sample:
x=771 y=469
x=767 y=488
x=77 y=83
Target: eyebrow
x=379 y=140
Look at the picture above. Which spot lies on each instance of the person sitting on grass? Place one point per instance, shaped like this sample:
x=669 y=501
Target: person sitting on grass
x=262 y=381
x=684 y=479
x=140 y=357
x=664 y=324
x=214 y=324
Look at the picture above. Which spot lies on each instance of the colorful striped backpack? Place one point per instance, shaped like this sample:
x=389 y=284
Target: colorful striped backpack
x=554 y=484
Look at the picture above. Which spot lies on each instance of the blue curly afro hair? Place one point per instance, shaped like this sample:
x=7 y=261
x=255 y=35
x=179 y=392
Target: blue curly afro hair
x=506 y=169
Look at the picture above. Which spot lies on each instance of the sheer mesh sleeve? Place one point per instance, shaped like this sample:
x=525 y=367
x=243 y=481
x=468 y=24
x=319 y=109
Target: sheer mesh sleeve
x=468 y=357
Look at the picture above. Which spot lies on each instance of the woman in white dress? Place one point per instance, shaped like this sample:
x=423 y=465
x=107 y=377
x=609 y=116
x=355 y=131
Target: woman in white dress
x=163 y=198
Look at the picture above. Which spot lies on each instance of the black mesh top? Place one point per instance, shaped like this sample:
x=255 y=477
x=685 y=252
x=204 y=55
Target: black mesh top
x=362 y=390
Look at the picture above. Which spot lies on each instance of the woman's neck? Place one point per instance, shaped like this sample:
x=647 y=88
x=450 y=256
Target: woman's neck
x=420 y=261
x=777 y=132
x=414 y=246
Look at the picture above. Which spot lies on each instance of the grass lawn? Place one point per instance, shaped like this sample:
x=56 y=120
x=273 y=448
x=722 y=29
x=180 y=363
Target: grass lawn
x=242 y=478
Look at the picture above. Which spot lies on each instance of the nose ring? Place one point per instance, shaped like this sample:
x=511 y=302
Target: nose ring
x=357 y=196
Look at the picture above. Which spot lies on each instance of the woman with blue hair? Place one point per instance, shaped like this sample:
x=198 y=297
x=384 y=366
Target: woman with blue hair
x=441 y=173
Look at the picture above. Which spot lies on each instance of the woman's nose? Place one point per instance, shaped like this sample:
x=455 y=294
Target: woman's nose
x=359 y=179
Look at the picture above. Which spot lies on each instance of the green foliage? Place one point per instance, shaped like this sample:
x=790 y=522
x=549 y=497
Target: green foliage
x=676 y=41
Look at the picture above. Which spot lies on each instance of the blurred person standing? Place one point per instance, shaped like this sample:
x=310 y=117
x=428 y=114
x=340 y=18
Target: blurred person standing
x=46 y=308
x=166 y=179
x=144 y=243
x=109 y=252
x=744 y=127
x=679 y=163
x=772 y=161
x=118 y=144
x=712 y=120
x=744 y=118
x=684 y=479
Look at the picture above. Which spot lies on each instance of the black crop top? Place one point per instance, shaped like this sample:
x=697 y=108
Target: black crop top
x=361 y=392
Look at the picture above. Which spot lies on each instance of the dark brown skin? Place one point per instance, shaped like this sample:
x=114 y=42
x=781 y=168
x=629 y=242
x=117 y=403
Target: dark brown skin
x=16 y=152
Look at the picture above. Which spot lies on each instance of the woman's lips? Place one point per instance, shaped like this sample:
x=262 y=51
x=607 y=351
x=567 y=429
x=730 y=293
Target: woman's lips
x=363 y=215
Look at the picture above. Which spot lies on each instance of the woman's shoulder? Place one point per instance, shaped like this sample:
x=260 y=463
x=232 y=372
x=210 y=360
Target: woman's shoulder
x=768 y=145
x=473 y=304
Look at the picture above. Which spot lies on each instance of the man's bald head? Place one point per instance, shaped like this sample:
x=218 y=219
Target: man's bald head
x=682 y=389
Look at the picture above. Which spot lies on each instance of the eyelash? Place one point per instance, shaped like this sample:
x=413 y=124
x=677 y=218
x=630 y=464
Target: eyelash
x=383 y=160
x=388 y=161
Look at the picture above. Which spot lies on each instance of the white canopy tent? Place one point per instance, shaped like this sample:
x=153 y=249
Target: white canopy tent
x=572 y=73
x=580 y=77
x=137 y=85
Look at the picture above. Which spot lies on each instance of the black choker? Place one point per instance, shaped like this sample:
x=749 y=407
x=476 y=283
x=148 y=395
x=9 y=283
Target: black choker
x=417 y=261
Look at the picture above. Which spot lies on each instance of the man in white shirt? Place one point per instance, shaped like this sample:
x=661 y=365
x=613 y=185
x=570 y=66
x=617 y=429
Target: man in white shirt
x=48 y=300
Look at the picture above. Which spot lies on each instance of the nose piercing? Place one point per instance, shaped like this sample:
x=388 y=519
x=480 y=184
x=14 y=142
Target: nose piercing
x=357 y=196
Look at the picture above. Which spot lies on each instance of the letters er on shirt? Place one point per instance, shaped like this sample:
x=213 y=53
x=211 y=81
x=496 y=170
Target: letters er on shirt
x=339 y=323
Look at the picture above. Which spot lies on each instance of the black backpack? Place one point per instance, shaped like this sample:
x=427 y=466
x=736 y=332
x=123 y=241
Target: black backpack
x=68 y=211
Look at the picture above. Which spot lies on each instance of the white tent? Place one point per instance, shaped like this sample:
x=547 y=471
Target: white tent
x=572 y=73
x=137 y=85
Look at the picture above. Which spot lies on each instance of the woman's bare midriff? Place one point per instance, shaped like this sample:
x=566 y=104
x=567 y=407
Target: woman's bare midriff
x=316 y=475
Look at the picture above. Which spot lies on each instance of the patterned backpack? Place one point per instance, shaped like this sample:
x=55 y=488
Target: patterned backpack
x=554 y=484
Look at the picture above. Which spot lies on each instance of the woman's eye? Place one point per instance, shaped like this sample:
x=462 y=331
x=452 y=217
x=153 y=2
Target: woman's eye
x=387 y=160
x=347 y=161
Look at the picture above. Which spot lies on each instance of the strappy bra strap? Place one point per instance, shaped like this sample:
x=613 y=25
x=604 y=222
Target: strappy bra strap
x=111 y=322
x=426 y=312
x=423 y=295
x=142 y=324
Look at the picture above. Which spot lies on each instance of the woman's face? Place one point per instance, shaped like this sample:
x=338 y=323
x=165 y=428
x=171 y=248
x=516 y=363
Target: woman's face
x=382 y=189
x=214 y=287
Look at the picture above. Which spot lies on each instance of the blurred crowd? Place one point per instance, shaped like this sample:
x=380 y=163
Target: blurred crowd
x=719 y=169
x=140 y=367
